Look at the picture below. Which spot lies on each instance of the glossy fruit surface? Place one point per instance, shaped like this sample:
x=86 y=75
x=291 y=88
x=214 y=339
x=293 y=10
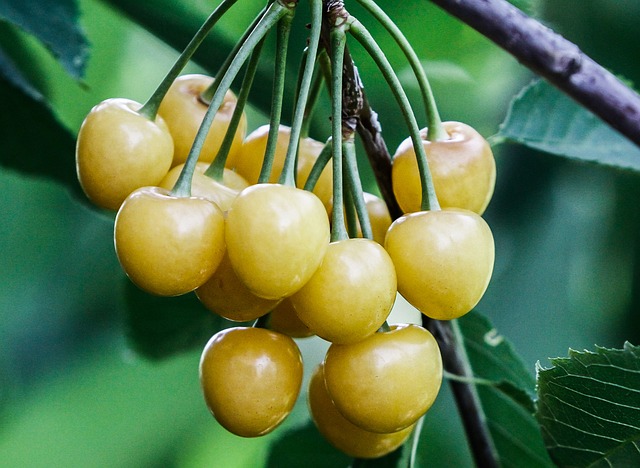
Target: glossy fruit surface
x=250 y=378
x=386 y=382
x=340 y=432
x=168 y=245
x=283 y=319
x=463 y=170
x=228 y=297
x=183 y=111
x=351 y=294
x=443 y=259
x=222 y=194
x=276 y=238
x=119 y=150
x=248 y=161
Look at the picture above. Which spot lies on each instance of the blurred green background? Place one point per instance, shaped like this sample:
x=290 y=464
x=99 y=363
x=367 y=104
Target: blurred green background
x=83 y=377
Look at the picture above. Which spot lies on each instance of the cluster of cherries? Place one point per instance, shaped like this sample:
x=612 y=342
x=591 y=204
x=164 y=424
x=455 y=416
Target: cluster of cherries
x=263 y=251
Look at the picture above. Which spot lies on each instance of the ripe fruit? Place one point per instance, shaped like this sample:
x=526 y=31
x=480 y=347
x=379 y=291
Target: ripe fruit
x=168 y=245
x=340 y=432
x=222 y=194
x=119 y=150
x=183 y=110
x=463 y=170
x=283 y=319
x=250 y=378
x=386 y=382
x=276 y=238
x=443 y=259
x=248 y=160
x=228 y=297
x=351 y=294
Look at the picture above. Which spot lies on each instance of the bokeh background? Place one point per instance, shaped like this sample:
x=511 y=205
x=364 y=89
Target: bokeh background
x=94 y=374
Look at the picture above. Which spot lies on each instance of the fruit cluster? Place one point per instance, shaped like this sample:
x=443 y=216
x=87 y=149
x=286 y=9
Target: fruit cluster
x=203 y=215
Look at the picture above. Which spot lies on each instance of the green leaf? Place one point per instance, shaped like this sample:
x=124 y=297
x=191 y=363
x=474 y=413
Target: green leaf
x=507 y=403
x=543 y=118
x=589 y=407
x=159 y=327
x=33 y=140
x=55 y=24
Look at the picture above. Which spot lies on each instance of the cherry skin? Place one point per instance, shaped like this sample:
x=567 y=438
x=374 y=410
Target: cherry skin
x=250 y=379
x=276 y=238
x=351 y=294
x=444 y=260
x=463 y=170
x=228 y=297
x=387 y=382
x=248 y=161
x=168 y=245
x=340 y=432
x=118 y=150
x=222 y=194
x=183 y=111
x=283 y=319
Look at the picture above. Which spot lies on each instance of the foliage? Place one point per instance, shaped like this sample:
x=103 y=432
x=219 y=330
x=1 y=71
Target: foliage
x=75 y=387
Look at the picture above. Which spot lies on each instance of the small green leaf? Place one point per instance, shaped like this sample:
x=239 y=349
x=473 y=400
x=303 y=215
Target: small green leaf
x=55 y=24
x=159 y=327
x=589 y=407
x=507 y=403
x=543 y=118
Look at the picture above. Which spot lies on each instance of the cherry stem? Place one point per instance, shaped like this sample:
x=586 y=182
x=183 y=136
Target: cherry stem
x=436 y=131
x=318 y=166
x=415 y=440
x=314 y=94
x=360 y=33
x=262 y=322
x=216 y=168
x=208 y=93
x=275 y=12
x=354 y=185
x=456 y=361
x=338 y=40
x=350 y=210
x=289 y=169
x=150 y=108
x=282 y=45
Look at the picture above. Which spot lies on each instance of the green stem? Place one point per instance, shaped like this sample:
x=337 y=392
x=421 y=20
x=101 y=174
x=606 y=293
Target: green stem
x=429 y=199
x=436 y=130
x=282 y=45
x=262 y=322
x=468 y=371
x=314 y=94
x=150 y=108
x=415 y=440
x=349 y=209
x=288 y=171
x=207 y=95
x=338 y=43
x=276 y=11
x=216 y=168
x=319 y=165
x=354 y=185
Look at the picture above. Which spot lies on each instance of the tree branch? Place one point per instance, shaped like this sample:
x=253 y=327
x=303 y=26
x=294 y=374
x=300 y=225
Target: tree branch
x=554 y=58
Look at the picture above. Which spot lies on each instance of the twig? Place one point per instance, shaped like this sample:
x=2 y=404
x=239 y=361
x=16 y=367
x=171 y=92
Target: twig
x=554 y=58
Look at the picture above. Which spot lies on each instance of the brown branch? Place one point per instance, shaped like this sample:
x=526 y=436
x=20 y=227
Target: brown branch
x=554 y=58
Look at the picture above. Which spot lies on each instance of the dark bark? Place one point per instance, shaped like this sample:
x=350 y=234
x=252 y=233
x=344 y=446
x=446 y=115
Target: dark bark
x=554 y=58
